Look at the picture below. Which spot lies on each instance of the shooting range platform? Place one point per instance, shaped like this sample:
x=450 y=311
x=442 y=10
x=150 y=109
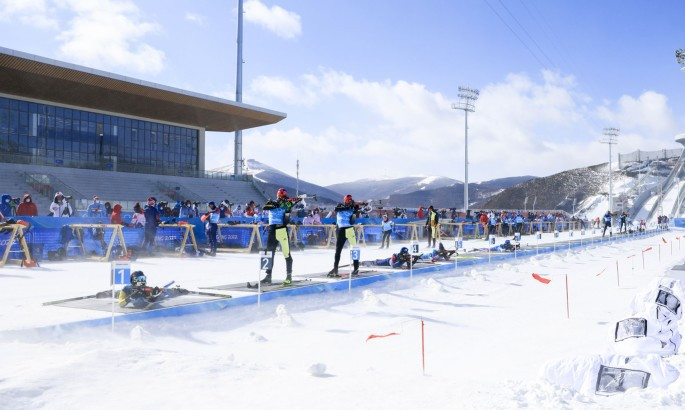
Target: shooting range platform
x=105 y=304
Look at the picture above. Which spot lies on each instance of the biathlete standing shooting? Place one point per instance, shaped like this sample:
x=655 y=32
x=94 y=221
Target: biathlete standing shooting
x=279 y=216
x=345 y=217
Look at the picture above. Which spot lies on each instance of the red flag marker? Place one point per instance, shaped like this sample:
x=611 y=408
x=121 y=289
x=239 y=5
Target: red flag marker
x=541 y=279
x=662 y=238
x=648 y=249
x=375 y=336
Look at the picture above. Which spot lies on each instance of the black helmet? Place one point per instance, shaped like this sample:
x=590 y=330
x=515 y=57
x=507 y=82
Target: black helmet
x=138 y=278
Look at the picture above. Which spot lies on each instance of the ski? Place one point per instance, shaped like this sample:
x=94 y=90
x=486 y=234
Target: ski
x=216 y=295
x=346 y=275
x=272 y=285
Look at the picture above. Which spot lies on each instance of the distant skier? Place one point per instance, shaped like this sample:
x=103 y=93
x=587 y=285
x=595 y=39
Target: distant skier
x=152 y=218
x=386 y=227
x=211 y=220
x=607 y=223
x=279 y=216
x=345 y=217
x=622 y=219
x=432 y=225
x=518 y=222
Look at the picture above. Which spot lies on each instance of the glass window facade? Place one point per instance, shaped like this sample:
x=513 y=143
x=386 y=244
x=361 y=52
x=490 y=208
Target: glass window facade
x=86 y=139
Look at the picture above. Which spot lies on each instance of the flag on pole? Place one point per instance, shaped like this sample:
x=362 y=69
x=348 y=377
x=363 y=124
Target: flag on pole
x=377 y=336
x=541 y=279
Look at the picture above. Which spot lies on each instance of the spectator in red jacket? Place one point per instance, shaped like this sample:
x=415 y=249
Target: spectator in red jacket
x=27 y=207
x=115 y=218
x=420 y=214
x=484 y=222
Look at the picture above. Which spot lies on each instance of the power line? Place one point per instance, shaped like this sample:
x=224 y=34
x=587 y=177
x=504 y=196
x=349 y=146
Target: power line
x=548 y=29
x=528 y=34
x=517 y=36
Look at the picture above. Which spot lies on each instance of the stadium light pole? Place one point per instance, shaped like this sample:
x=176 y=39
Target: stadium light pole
x=238 y=141
x=680 y=58
x=610 y=138
x=467 y=100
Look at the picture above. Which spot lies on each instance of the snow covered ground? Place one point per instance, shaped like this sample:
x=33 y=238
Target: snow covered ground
x=488 y=331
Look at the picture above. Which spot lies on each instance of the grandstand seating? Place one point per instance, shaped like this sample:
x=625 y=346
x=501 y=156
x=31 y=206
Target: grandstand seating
x=120 y=187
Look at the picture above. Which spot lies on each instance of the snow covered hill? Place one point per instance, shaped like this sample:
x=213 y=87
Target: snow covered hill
x=383 y=188
x=269 y=179
x=636 y=189
x=438 y=191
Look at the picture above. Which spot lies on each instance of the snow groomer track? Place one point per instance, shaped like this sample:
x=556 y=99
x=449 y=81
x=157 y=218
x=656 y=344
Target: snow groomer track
x=225 y=296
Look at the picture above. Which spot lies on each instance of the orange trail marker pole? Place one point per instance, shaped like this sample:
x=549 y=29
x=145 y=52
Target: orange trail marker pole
x=423 y=349
x=568 y=316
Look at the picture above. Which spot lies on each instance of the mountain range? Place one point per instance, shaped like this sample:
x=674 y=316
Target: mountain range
x=571 y=190
x=403 y=192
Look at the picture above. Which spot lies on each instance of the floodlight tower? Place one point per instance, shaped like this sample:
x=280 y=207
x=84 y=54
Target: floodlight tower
x=680 y=58
x=610 y=138
x=467 y=100
x=238 y=140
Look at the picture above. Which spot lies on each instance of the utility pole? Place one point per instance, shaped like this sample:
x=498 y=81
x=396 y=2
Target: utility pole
x=610 y=138
x=467 y=100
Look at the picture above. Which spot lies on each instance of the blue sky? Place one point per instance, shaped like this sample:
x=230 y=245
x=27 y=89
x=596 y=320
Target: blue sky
x=368 y=85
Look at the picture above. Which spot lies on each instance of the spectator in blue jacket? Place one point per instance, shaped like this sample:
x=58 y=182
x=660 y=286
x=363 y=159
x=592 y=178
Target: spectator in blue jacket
x=96 y=209
x=152 y=218
x=187 y=210
x=5 y=206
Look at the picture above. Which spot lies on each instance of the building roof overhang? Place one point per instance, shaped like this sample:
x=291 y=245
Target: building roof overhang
x=29 y=76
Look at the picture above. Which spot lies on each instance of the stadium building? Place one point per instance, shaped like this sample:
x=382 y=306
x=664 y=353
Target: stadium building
x=86 y=132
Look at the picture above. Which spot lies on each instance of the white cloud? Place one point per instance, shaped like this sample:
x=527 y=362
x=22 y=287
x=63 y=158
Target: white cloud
x=300 y=93
x=196 y=18
x=283 y=23
x=35 y=13
x=649 y=113
x=109 y=33
x=522 y=125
